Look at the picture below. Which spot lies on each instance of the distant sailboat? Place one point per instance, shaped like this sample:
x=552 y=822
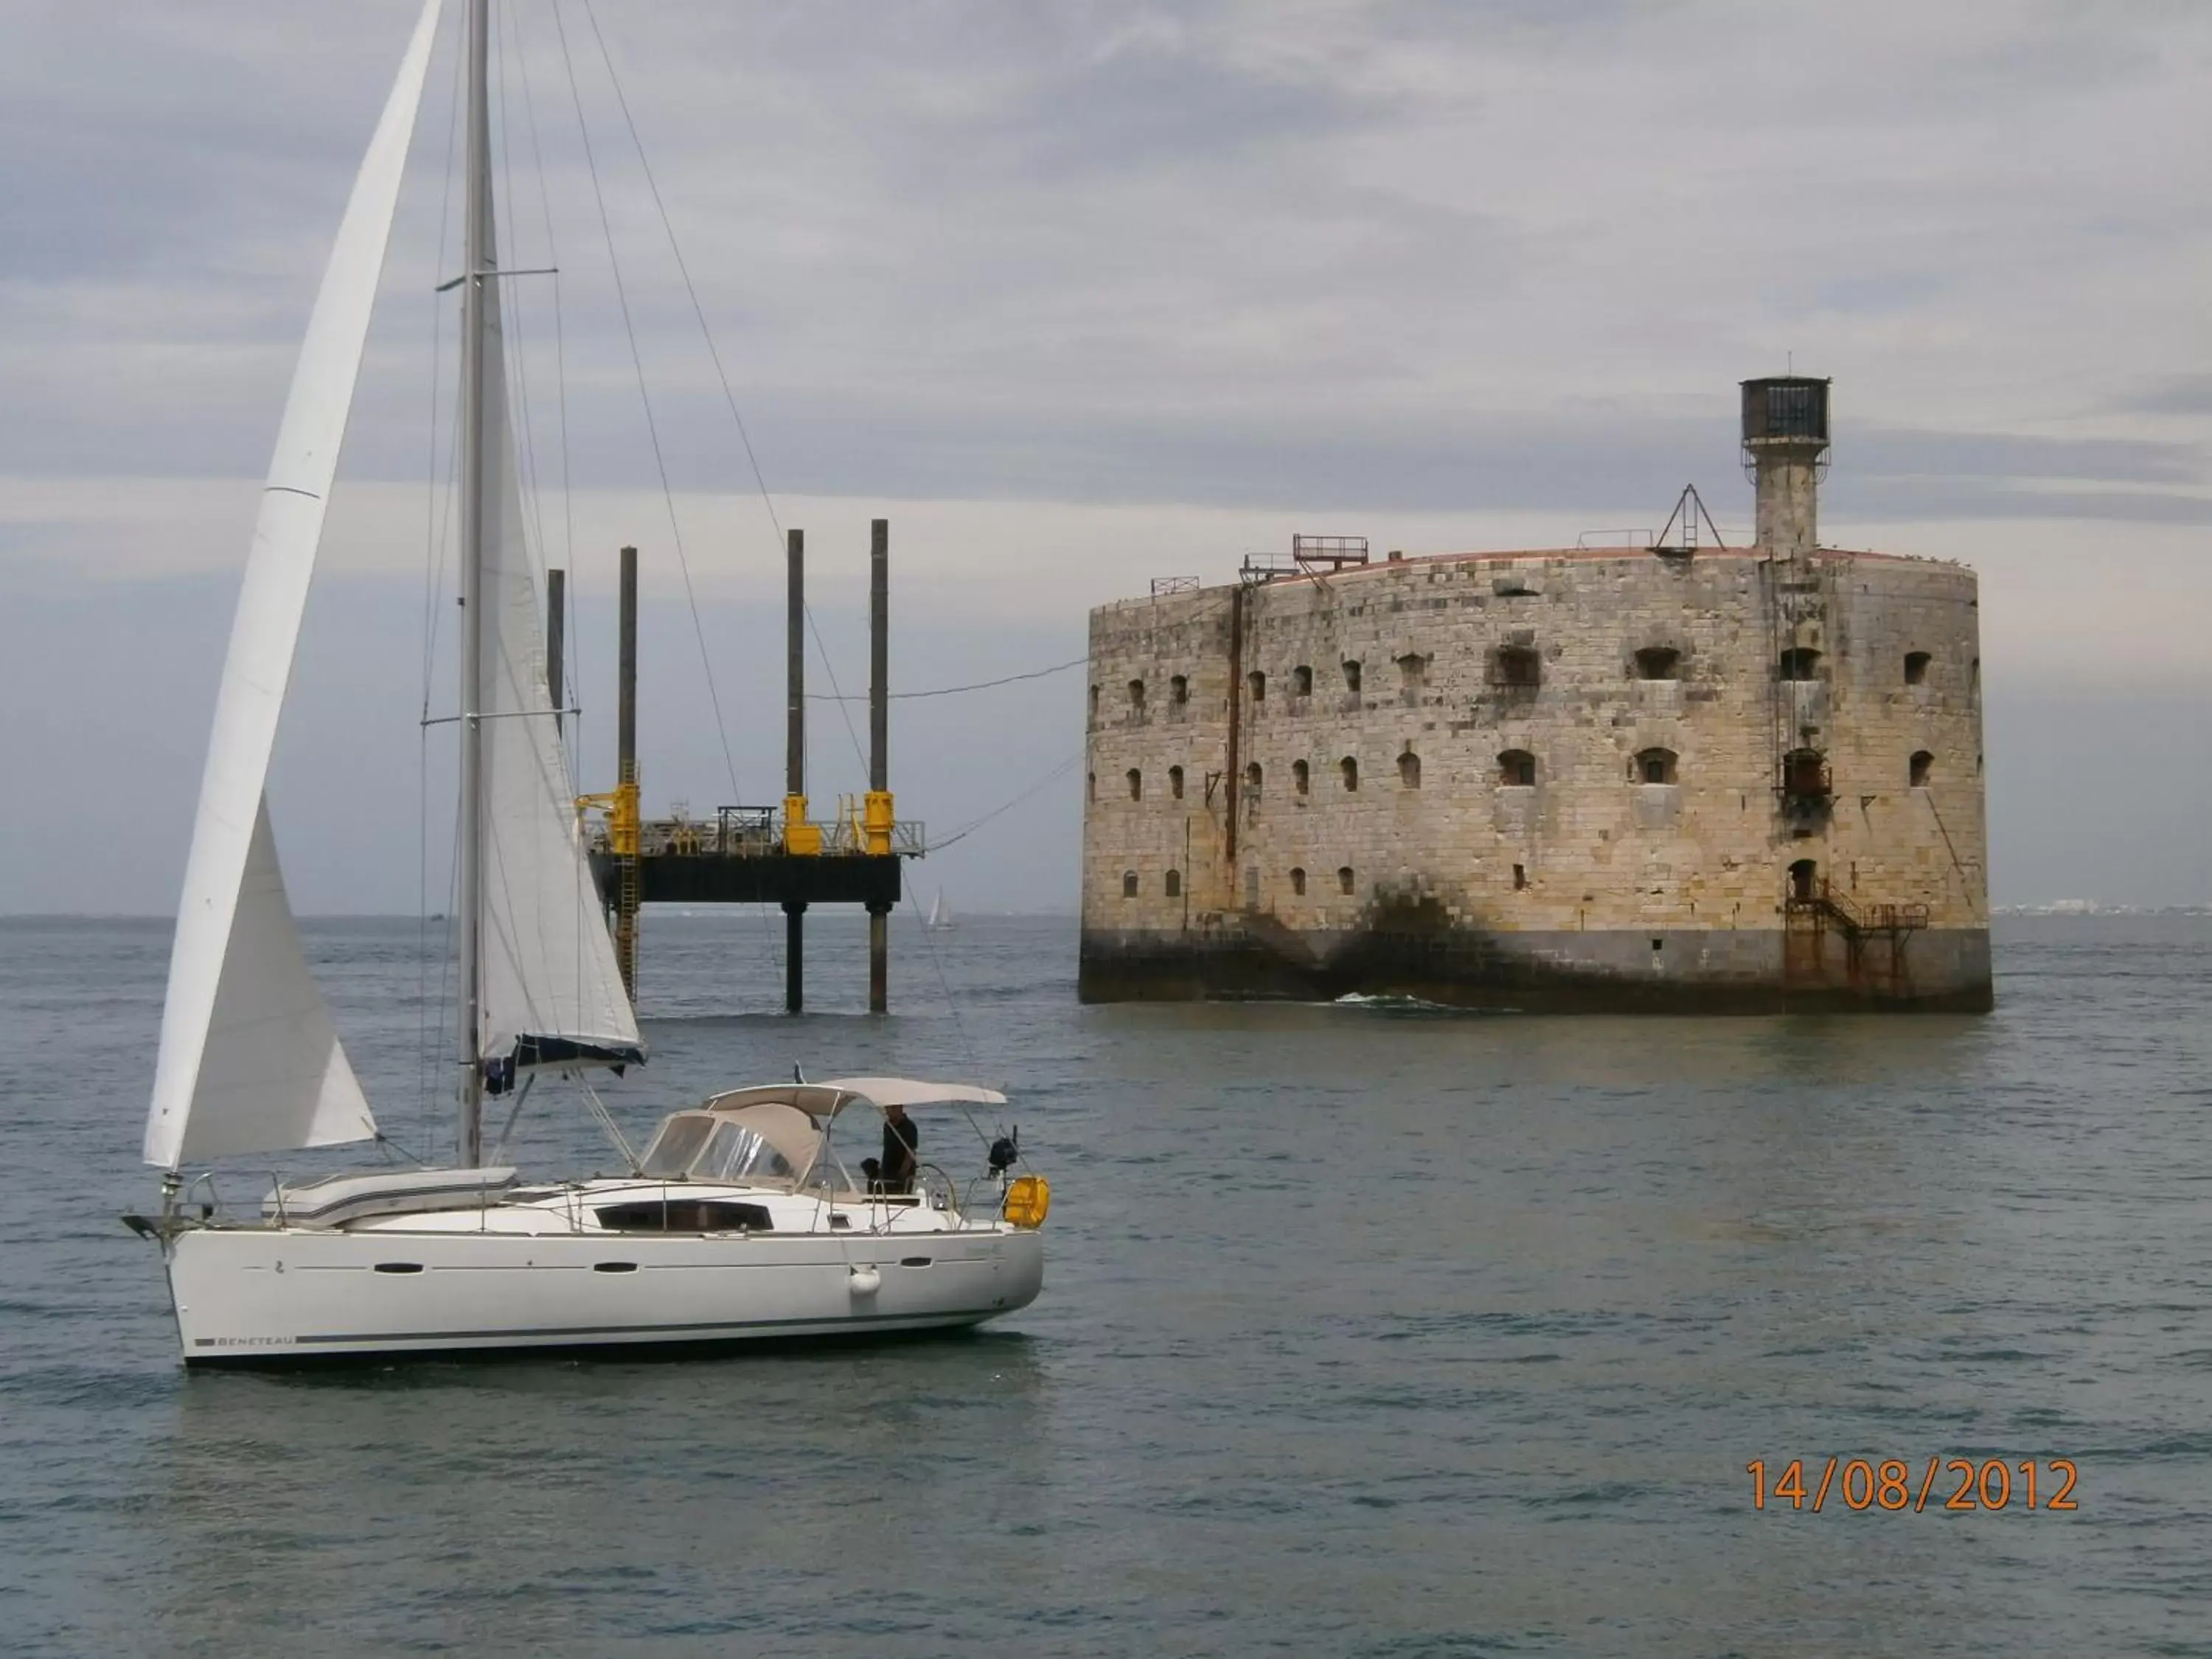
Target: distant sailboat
x=940 y=913
x=740 y=1221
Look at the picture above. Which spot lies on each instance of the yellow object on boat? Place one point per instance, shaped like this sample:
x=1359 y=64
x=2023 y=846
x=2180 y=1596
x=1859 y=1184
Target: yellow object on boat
x=1027 y=1201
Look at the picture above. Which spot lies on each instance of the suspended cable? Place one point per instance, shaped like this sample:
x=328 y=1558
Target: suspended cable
x=944 y=988
x=714 y=354
x=775 y=948
x=954 y=690
x=971 y=827
x=645 y=397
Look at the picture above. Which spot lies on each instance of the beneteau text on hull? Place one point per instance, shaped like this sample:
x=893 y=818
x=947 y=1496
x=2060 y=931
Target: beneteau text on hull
x=741 y=1219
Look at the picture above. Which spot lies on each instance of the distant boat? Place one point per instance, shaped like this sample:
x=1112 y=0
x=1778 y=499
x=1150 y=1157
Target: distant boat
x=940 y=913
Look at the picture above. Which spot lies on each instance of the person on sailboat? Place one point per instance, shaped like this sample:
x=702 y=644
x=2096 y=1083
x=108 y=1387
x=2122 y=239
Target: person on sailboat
x=902 y=1142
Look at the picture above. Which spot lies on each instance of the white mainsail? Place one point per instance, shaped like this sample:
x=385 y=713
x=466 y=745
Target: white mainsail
x=552 y=992
x=249 y=1060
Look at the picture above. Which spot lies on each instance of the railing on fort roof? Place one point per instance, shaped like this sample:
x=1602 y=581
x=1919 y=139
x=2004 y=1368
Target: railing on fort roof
x=1336 y=549
x=1309 y=554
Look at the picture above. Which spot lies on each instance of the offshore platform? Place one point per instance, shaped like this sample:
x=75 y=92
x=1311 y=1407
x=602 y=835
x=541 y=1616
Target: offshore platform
x=781 y=856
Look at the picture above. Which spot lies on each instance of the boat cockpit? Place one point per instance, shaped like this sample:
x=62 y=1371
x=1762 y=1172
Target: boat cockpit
x=779 y=1135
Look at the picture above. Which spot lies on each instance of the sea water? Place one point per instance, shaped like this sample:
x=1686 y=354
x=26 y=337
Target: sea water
x=1366 y=1330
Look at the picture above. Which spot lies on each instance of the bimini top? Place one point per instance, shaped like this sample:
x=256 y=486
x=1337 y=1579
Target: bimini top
x=779 y=1131
x=823 y=1101
x=908 y=1092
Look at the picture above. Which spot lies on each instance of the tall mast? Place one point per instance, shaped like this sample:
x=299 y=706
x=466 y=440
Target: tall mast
x=480 y=255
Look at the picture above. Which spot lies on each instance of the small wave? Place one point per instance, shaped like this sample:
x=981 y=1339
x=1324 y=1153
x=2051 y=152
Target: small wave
x=1390 y=1002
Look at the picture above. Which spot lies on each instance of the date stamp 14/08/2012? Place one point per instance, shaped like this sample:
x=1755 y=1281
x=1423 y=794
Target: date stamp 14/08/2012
x=1888 y=1485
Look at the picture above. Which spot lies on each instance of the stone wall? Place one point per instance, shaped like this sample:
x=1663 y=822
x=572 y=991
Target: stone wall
x=1543 y=779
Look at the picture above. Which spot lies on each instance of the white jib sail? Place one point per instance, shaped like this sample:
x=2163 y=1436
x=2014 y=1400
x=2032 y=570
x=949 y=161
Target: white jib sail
x=249 y=1060
x=549 y=965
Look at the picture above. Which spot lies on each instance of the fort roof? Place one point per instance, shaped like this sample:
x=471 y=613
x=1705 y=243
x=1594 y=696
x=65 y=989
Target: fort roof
x=1507 y=555
x=1352 y=571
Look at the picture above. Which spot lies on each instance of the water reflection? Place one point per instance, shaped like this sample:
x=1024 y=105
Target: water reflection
x=472 y=1504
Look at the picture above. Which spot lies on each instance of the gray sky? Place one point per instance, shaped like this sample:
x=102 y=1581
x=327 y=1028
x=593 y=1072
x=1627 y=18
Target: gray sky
x=1081 y=294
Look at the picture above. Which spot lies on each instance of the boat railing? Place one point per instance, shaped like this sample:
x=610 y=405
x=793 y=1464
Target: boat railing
x=946 y=1195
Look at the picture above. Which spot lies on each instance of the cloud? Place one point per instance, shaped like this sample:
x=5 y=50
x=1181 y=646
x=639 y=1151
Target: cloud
x=1082 y=294
x=2169 y=394
x=1192 y=254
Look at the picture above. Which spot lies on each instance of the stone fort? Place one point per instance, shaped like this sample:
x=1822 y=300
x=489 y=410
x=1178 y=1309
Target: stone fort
x=1685 y=777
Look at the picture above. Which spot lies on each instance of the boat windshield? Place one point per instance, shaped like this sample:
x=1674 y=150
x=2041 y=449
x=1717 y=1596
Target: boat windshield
x=738 y=1153
x=676 y=1145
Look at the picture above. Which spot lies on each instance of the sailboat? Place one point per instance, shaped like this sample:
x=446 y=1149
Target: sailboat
x=740 y=1221
x=940 y=913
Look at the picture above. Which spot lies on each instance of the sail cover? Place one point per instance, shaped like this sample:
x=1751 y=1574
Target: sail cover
x=552 y=994
x=249 y=1060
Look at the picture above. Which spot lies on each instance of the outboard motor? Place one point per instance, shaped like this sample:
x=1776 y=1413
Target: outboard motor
x=1005 y=1152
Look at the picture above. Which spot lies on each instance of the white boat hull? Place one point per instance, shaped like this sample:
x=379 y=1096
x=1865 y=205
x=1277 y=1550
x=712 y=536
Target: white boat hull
x=254 y=1295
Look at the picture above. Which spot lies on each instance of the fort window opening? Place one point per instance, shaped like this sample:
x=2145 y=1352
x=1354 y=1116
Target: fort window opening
x=1655 y=766
x=1350 y=768
x=1091 y=785
x=1412 y=674
x=1178 y=691
x=1916 y=668
x=1517 y=769
x=1136 y=784
x=1351 y=676
x=1657 y=662
x=1409 y=770
x=1801 y=875
x=1805 y=774
x=1301 y=777
x=1922 y=760
x=1299 y=883
x=1094 y=705
x=1344 y=880
x=1252 y=775
x=1302 y=681
x=1517 y=666
x=1801 y=662
x=1175 y=781
x=1136 y=697
x=1129 y=884
x=1175 y=884
x=1520 y=877
x=1256 y=683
